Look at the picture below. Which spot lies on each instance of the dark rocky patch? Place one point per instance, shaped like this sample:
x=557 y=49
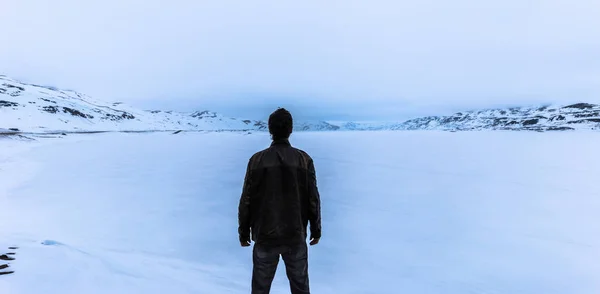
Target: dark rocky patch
x=2 y=90
x=48 y=100
x=512 y=122
x=247 y=121
x=530 y=122
x=581 y=106
x=113 y=117
x=4 y=266
x=50 y=109
x=4 y=103
x=590 y=114
x=14 y=130
x=450 y=119
x=536 y=129
x=204 y=114
x=46 y=87
x=260 y=125
x=499 y=121
x=75 y=112
x=446 y=120
x=596 y=120
x=13 y=86
x=126 y=115
x=560 y=129
x=177 y=132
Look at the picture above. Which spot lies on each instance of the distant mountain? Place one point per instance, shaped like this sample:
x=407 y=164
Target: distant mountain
x=315 y=126
x=544 y=118
x=34 y=108
x=364 y=126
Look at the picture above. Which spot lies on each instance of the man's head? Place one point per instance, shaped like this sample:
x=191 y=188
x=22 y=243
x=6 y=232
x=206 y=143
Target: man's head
x=281 y=124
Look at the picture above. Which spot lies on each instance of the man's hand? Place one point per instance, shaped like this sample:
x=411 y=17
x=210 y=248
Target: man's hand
x=245 y=243
x=314 y=241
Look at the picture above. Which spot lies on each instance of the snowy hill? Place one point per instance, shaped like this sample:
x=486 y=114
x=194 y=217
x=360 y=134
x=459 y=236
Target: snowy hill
x=364 y=126
x=315 y=126
x=34 y=108
x=545 y=118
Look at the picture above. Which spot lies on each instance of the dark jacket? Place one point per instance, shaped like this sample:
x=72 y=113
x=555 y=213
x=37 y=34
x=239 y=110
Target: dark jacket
x=280 y=197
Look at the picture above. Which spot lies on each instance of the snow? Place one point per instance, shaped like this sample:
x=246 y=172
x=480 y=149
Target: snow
x=36 y=109
x=40 y=109
x=580 y=116
x=403 y=212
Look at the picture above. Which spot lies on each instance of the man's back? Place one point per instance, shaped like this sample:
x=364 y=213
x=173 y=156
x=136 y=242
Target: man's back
x=280 y=196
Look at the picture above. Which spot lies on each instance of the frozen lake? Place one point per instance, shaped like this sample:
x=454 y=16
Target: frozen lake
x=403 y=212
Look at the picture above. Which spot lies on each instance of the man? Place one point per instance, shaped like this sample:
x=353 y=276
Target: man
x=279 y=199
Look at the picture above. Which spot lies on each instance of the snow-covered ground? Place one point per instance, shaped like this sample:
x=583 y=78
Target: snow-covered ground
x=403 y=212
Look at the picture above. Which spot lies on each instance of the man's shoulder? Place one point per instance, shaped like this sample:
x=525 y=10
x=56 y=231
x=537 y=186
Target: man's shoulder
x=305 y=160
x=258 y=155
x=303 y=154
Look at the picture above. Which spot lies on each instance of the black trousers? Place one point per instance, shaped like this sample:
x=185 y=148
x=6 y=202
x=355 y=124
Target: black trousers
x=266 y=258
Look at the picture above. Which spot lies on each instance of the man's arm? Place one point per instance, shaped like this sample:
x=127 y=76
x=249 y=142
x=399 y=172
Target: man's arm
x=244 y=208
x=314 y=208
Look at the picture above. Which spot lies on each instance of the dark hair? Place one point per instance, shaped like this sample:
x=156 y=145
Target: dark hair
x=281 y=124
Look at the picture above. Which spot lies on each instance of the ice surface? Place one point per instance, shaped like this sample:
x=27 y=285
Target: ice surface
x=403 y=212
x=51 y=243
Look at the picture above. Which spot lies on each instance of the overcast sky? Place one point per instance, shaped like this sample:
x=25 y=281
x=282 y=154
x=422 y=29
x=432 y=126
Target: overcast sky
x=336 y=59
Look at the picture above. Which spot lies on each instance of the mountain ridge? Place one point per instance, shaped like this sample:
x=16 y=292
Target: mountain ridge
x=42 y=109
x=540 y=118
